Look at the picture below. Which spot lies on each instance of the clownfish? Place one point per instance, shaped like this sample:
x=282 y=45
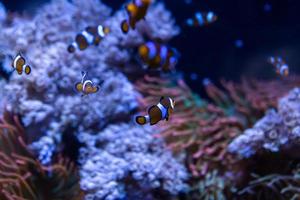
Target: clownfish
x=86 y=86
x=281 y=67
x=136 y=10
x=202 y=19
x=90 y=36
x=156 y=113
x=155 y=56
x=19 y=64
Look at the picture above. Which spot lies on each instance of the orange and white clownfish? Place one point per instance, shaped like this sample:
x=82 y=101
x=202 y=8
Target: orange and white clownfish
x=90 y=36
x=136 y=10
x=202 y=19
x=19 y=64
x=156 y=113
x=280 y=65
x=158 y=56
x=86 y=87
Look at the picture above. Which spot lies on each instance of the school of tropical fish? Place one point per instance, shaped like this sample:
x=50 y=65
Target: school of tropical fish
x=95 y=106
x=154 y=55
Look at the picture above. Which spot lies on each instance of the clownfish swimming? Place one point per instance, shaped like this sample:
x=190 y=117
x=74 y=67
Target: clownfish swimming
x=90 y=36
x=281 y=67
x=136 y=10
x=156 y=56
x=156 y=113
x=86 y=87
x=19 y=64
x=202 y=19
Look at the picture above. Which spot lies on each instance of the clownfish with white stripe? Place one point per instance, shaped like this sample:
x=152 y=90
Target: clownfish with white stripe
x=159 y=112
x=19 y=64
x=158 y=56
x=136 y=10
x=280 y=65
x=85 y=86
x=90 y=36
x=202 y=19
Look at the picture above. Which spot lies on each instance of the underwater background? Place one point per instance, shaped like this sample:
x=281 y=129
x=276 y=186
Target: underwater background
x=234 y=132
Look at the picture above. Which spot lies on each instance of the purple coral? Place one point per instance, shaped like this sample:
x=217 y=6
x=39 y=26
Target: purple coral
x=274 y=132
x=124 y=155
x=49 y=107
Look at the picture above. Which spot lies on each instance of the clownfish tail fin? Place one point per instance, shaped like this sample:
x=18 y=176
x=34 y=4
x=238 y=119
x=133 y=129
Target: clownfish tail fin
x=141 y=120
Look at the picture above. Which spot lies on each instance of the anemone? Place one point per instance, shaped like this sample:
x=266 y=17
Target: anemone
x=23 y=177
x=251 y=98
x=273 y=186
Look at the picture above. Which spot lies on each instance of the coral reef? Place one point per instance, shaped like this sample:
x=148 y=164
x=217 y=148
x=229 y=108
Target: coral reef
x=123 y=157
x=277 y=131
x=198 y=127
x=39 y=101
x=23 y=177
x=49 y=107
x=203 y=129
x=46 y=101
x=118 y=159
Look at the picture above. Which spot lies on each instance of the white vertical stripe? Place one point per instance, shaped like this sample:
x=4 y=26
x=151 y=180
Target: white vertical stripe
x=171 y=102
x=147 y=119
x=163 y=110
x=86 y=82
x=101 y=31
x=24 y=67
x=88 y=37
x=15 y=61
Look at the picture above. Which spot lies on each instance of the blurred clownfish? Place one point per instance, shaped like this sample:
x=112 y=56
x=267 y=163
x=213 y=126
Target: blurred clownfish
x=19 y=64
x=155 y=56
x=90 y=36
x=202 y=19
x=156 y=113
x=281 y=67
x=136 y=10
x=86 y=86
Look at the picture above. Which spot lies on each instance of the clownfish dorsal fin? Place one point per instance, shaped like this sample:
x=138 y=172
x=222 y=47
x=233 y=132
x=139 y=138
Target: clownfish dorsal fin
x=83 y=74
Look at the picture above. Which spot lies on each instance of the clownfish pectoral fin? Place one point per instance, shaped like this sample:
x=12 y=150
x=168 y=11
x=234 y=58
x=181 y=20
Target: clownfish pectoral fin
x=167 y=118
x=141 y=120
